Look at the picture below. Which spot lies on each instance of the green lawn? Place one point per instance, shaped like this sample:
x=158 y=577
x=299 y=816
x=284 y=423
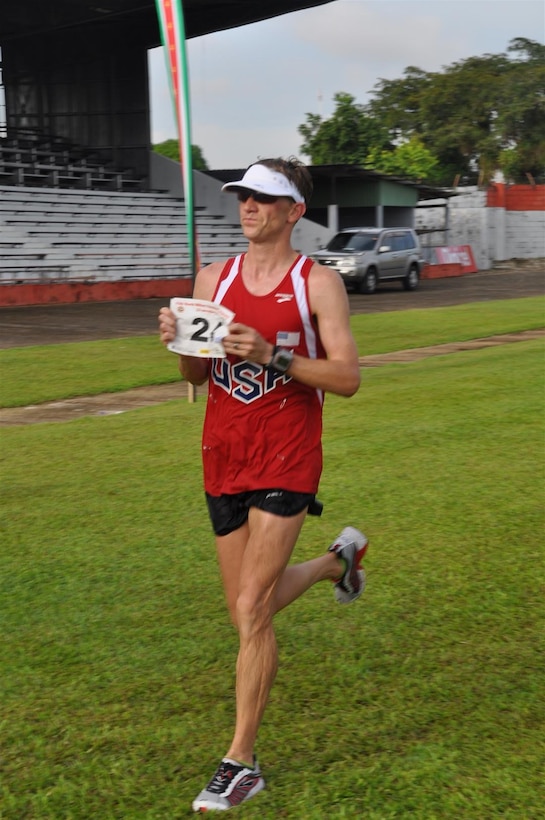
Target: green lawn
x=30 y=375
x=422 y=700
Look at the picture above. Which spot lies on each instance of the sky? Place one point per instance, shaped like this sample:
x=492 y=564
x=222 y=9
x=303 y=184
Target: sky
x=253 y=86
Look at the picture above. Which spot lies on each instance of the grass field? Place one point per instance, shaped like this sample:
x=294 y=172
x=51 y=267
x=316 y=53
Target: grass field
x=423 y=700
x=30 y=375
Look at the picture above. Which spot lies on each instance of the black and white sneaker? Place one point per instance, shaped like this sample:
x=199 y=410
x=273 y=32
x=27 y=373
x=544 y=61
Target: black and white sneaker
x=350 y=547
x=232 y=784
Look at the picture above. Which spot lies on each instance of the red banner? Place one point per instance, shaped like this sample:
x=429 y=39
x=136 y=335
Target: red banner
x=171 y=20
x=457 y=255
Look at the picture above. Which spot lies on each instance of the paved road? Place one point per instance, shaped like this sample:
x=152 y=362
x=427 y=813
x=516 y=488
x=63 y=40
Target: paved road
x=51 y=324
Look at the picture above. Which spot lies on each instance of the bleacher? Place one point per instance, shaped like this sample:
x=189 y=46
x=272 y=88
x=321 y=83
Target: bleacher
x=66 y=214
x=31 y=158
x=56 y=234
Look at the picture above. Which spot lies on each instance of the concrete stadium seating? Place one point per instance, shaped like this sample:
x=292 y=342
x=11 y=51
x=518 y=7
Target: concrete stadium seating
x=31 y=158
x=59 y=234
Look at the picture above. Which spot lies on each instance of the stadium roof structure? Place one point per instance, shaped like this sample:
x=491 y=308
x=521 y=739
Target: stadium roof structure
x=330 y=175
x=21 y=19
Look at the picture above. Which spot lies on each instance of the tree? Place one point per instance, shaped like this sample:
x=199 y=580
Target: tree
x=410 y=159
x=472 y=118
x=397 y=103
x=521 y=117
x=171 y=150
x=476 y=115
x=345 y=138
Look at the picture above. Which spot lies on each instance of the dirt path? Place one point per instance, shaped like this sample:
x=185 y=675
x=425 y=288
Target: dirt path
x=108 y=404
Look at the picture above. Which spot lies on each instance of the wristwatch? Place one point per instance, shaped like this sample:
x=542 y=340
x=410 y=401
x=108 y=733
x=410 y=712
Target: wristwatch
x=281 y=359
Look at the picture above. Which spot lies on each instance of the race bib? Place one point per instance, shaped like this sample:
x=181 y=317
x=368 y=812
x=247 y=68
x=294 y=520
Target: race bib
x=200 y=327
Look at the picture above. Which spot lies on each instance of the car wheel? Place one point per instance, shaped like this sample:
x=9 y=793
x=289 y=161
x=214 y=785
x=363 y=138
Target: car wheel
x=370 y=281
x=411 y=280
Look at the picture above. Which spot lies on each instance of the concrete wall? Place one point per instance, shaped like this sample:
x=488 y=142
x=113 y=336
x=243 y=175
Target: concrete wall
x=517 y=220
x=502 y=222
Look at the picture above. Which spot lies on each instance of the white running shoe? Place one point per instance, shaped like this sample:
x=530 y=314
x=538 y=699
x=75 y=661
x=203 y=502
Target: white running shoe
x=350 y=547
x=232 y=784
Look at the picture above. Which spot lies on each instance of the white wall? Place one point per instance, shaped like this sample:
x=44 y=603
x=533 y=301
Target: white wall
x=493 y=233
x=525 y=233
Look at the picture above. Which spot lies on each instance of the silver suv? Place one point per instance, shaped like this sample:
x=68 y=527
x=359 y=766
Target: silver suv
x=364 y=257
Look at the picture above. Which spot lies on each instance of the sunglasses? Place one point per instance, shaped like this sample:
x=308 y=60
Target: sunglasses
x=262 y=199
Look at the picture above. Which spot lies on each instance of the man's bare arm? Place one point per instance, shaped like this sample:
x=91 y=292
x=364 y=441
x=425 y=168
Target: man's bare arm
x=340 y=372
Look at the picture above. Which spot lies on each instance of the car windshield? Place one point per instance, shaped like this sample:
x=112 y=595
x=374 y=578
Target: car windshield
x=355 y=242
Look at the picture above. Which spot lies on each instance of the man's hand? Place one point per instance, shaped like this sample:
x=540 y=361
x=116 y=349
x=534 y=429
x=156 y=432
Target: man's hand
x=167 y=325
x=193 y=369
x=247 y=343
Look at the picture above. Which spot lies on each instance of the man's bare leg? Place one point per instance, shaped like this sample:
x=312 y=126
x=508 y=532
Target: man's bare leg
x=294 y=581
x=297 y=578
x=258 y=583
x=270 y=543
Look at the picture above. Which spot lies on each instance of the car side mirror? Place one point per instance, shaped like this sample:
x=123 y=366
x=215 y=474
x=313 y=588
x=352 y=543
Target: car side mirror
x=384 y=248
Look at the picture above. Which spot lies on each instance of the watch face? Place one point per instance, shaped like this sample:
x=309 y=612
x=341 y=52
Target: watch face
x=282 y=360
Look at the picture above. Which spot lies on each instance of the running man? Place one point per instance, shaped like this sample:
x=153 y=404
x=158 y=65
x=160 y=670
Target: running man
x=289 y=343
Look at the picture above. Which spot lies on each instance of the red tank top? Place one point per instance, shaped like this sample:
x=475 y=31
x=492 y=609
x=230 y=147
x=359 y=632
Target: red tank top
x=263 y=430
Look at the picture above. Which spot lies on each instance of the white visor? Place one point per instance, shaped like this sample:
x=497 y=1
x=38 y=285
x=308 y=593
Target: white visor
x=263 y=180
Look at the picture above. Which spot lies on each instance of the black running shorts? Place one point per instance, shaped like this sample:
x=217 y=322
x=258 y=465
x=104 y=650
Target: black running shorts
x=229 y=512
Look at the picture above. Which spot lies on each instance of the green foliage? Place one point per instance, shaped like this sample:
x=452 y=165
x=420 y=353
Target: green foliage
x=410 y=159
x=347 y=137
x=422 y=700
x=460 y=112
x=521 y=117
x=171 y=150
x=397 y=103
x=474 y=117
